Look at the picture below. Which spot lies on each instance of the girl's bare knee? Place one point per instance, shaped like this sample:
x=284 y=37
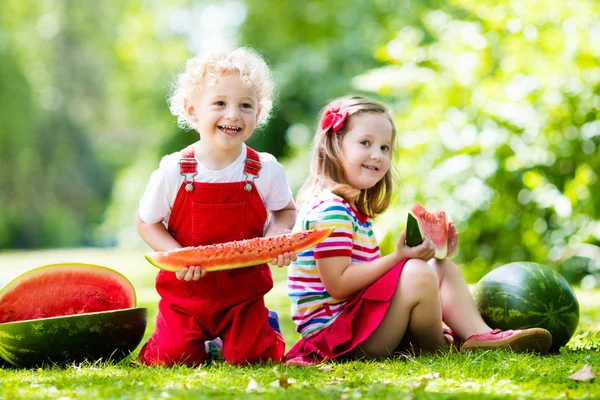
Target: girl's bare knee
x=419 y=274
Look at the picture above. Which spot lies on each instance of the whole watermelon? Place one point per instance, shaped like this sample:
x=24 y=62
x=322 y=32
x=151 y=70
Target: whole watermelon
x=525 y=295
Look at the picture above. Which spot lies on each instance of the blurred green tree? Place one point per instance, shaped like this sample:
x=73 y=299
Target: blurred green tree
x=497 y=104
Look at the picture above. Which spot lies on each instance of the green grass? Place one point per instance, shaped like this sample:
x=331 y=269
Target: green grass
x=448 y=375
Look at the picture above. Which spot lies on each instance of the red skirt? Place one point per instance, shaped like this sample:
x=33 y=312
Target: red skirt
x=359 y=318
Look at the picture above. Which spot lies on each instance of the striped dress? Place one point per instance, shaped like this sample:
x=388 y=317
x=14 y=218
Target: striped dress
x=311 y=305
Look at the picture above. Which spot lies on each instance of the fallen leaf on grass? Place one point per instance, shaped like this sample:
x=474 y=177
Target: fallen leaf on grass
x=584 y=374
x=283 y=381
x=252 y=385
x=326 y=367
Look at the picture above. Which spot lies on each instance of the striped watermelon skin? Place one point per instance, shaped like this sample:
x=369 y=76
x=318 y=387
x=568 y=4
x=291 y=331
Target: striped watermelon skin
x=525 y=295
x=107 y=335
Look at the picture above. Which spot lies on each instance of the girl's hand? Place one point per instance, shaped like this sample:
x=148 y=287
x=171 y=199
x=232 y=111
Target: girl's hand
x=452 y=238
x=285 y=259
x=425 y=251
x=193 y=272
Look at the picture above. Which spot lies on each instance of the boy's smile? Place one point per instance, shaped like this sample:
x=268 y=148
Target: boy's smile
x=224 y=113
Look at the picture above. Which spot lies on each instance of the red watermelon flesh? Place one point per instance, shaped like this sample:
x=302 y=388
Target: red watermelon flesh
x=64 y=289
x=435 y=227
x=240 y=253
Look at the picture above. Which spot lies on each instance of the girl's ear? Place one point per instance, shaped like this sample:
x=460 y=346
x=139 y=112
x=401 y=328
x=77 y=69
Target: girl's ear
x=189 y=109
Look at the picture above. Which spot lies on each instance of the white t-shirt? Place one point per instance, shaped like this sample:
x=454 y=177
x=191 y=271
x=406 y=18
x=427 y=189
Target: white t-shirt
x=157 y=202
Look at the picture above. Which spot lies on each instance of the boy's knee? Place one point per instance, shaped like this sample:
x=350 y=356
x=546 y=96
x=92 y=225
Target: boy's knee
x=173 y=353
x=265 y=348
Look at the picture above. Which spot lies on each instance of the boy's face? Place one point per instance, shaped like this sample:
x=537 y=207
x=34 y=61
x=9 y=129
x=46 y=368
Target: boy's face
x=224 y=113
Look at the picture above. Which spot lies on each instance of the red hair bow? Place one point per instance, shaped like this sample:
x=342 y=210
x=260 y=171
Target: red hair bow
x=333 y=118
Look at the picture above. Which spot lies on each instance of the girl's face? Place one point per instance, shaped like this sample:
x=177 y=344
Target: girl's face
x=224 y=113
x=366 y=149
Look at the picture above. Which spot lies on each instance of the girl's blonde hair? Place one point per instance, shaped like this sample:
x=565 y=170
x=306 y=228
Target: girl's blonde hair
x=327 y=171
x=209 y=67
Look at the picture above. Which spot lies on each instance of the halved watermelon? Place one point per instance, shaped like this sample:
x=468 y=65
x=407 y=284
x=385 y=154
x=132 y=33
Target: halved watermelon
x=240 y=253
x=64 y=313
x=107 y=335
x=64 y=289
x=432 y=225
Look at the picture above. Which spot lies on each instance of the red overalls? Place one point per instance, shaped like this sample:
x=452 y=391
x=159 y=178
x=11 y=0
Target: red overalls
x=225 y=304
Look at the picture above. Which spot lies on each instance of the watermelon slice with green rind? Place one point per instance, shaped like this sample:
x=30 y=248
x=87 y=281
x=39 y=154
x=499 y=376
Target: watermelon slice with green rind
x=414 y=236
x=421 y=223
x=240 y=253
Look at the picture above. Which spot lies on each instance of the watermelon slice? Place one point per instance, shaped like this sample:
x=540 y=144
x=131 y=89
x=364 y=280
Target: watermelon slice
x=240 y=253
x=414 y=236
x=64 y=289
x=432 y=225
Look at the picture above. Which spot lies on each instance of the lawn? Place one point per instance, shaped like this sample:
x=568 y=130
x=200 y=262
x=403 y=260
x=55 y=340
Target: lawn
x=499 y=374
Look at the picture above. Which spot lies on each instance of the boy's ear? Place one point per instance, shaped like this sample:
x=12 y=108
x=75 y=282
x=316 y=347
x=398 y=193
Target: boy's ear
x=258 y=113
x=189 y=109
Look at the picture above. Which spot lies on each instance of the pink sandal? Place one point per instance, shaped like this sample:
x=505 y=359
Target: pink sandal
x=533 y=339
x=456 y=341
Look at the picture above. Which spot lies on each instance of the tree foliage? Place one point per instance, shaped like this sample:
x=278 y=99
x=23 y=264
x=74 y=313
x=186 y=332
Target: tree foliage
x=497 y=104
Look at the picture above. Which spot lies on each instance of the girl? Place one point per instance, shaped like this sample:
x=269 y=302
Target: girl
x=213 y=191
x=347 y=300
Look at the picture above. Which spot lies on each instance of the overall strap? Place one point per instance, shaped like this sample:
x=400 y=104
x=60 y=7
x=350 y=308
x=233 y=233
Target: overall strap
x=251 y=167
x=187 y=167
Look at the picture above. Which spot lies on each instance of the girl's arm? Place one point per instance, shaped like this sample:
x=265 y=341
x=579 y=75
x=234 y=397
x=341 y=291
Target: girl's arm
x=342 y=278
x=282 y=221
x=156 y=236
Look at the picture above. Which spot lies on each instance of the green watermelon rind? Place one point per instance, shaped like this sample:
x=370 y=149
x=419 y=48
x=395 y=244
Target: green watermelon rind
x=39 y=270
x=414 y=236
x=107 y=335
x=496 y=295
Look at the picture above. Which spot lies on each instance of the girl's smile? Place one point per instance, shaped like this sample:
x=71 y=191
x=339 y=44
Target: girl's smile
x=366 y=149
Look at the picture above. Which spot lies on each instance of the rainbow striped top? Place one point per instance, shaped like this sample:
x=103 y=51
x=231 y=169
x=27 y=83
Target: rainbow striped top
x=312 y=307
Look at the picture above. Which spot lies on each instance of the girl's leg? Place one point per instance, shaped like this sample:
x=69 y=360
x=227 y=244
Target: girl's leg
x=458 y=306
x=415 y=307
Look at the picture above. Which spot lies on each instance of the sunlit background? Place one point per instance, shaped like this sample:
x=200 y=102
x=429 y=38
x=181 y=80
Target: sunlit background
x=496 y=102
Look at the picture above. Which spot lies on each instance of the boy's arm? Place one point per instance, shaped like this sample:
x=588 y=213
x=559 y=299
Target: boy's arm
x=282 y=221
x=156 y=236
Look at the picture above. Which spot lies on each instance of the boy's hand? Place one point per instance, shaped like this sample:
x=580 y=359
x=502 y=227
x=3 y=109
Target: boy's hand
x=193 y=272
x=285 y=259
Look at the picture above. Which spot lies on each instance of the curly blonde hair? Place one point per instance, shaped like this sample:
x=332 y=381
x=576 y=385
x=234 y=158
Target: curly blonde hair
x=327 y=170
x=207 y=68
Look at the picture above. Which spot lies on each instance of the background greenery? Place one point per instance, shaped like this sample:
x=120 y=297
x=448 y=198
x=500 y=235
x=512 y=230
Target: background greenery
x=496 y=102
